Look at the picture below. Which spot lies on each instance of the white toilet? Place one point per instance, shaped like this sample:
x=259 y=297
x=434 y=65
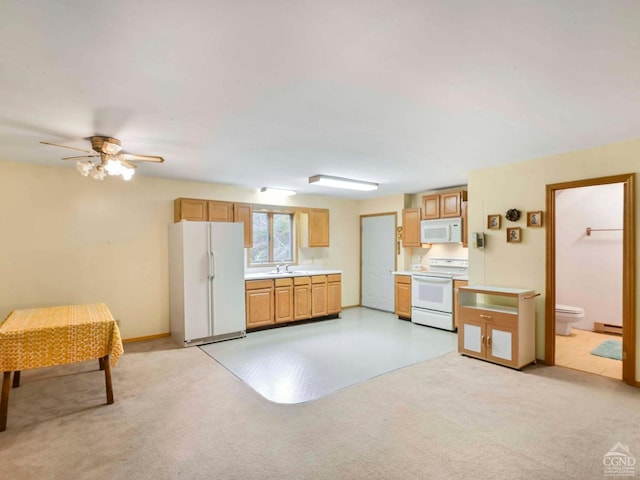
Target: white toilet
x=566 y=315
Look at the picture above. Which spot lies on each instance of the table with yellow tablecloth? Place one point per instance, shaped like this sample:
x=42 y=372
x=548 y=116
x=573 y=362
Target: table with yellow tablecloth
x=44 y=337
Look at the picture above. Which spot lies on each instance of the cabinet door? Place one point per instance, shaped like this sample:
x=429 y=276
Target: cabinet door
x=319 y=296
x=450 y=205
x=242 y=212
x=334 y=297
x=301 y=302
x=471 y=338
x=411 y=227
x=319 y=228
x=284 y=304
x=189 y=209
x=430 y=207
x=502 y=345
x=219 y=211
x=259 y=304
x=403 y=296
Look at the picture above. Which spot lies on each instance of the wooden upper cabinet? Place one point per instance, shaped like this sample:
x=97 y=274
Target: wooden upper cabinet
x=443 y=205
x=219 y=211
x=242 y=212
x=451 y=204
x=319 y=228
x=313 y=228
x=430 y=207
x=411 y=227
x=189 y=209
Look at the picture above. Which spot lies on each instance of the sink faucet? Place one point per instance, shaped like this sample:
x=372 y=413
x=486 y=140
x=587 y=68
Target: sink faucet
x=282 y=268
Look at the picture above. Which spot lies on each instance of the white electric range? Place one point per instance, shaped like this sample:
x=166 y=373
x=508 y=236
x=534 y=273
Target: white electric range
x=432 y=292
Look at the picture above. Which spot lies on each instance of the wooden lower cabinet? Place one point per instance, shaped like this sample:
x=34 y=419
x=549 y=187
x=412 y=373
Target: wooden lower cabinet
x=319 y=300
x=334 y=294
x=259 y=302
x=497 y=324
x=283 y=300
x=403 y=296
x=301 y=298
x=289 y=299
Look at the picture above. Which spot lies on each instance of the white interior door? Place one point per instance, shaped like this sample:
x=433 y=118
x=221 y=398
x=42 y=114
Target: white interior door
x=378 y=261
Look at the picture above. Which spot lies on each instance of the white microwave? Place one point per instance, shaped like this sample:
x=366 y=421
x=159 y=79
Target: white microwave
x=444 y=230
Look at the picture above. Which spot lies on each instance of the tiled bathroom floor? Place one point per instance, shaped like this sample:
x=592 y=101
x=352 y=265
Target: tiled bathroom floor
x=303 y=362
x=573 y=351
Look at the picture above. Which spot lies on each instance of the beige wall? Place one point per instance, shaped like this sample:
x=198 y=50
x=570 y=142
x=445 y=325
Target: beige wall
x=68 y=239
x=523 y=186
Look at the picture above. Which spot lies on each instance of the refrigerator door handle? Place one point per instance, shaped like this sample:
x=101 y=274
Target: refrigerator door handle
x=212 y=265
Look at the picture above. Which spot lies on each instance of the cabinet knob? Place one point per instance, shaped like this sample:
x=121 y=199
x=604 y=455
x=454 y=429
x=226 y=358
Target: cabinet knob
x=488 y=341
x=484 y=316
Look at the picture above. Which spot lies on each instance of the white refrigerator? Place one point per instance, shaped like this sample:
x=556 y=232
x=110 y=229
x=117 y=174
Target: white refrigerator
x=206 y=281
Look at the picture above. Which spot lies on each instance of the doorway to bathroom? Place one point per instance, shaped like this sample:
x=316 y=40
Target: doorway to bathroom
x=590 y=307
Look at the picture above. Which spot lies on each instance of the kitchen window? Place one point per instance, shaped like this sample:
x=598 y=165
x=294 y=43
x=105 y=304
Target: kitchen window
x=272 y=238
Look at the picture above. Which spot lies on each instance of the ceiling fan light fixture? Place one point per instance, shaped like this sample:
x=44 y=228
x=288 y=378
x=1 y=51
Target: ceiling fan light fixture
x=127 y=173
x=339 y=182
x=113 y=167
x=98 y=173
x=84 y=167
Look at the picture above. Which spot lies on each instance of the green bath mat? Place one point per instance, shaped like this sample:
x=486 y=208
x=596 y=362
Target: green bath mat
x=609 y=349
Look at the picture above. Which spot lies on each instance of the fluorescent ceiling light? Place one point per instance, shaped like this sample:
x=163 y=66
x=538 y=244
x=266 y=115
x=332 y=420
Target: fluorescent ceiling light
x=338 y=182
x=279 y=191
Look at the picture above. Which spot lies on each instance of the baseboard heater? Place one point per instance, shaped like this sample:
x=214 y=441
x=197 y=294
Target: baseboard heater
x=607 y=328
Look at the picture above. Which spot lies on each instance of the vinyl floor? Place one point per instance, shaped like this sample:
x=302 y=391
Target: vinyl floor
x=303 y=362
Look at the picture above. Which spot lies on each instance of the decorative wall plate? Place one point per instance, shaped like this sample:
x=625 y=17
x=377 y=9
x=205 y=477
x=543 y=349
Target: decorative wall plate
x=513 y=215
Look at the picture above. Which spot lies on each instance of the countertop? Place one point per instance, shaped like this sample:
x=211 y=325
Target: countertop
x=293 y=273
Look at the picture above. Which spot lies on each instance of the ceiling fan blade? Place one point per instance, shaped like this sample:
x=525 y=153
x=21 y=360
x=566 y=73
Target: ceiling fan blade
x=66 y=146
x=81 y=156
x=128 y=164
x=139 y=158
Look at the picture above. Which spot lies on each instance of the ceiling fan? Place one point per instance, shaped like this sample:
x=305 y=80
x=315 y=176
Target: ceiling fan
x=111 y=160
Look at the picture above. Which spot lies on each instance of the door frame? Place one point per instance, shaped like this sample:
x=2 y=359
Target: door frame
x=395 y=247
x=628 y=270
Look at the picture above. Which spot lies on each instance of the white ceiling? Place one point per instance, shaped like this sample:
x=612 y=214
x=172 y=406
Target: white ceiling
x=412 y=94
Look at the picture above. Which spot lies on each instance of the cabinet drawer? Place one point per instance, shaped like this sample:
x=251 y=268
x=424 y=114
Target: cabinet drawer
x=284 y=282
x=403 y=278
x=334 y=277
x=256 y=284
x=319 y=279
x=301 y=280
x=488 y=316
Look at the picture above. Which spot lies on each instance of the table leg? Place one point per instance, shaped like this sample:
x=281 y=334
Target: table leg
x=101 y=363
x=107 y=379
x=4 y=400
x=16 y=379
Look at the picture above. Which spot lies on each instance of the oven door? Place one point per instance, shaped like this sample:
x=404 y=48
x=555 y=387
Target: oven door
x=432 y=293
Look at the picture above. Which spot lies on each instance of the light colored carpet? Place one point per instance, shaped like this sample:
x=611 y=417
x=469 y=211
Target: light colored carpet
x=180 y=415
x=304 y=362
